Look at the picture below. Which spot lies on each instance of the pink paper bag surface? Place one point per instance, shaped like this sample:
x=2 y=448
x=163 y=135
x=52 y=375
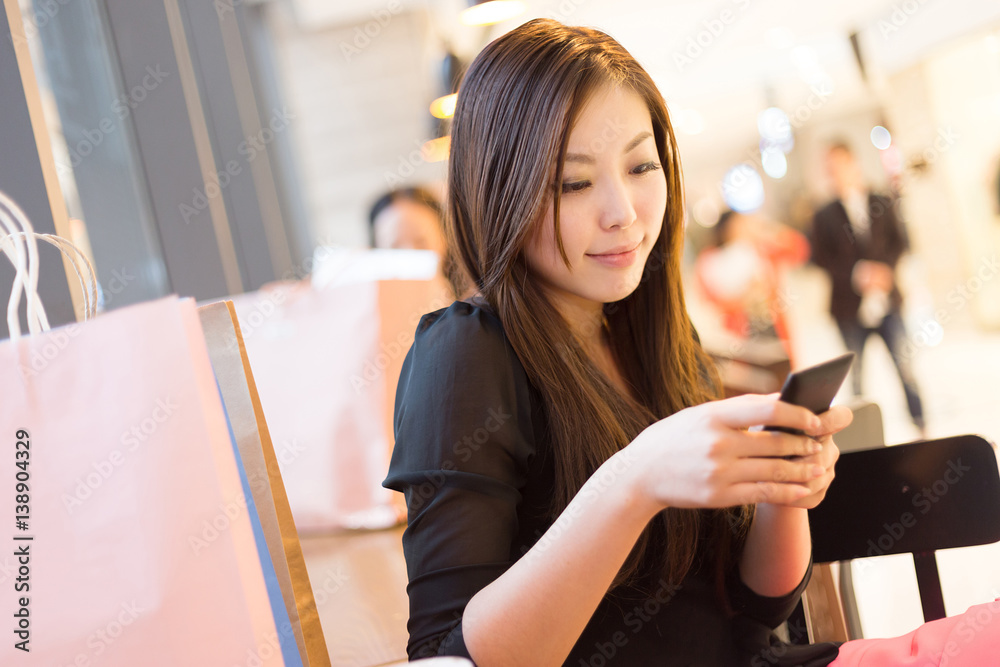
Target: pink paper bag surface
x=326 y=362
x=142 y=550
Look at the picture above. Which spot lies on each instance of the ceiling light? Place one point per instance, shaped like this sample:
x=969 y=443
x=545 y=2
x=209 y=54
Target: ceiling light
x=444 y=107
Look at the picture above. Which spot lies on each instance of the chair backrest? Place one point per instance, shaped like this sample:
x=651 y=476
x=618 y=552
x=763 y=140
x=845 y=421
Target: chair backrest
x=865 y=431
x=918 y=497
x=914 y=498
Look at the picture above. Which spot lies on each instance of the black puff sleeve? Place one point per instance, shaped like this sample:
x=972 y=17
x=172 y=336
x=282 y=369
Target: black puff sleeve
x=464 y=442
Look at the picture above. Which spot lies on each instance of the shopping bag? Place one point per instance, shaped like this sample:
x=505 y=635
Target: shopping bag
x=132 y=545
x=265 y=489
x=285 y=641
x=327 y=360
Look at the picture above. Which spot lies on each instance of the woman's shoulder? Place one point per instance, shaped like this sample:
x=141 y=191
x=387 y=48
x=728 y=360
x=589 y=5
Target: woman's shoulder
x=463 y=329
x=462 y=376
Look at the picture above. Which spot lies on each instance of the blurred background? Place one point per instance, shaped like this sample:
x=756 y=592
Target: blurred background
x=243 y=148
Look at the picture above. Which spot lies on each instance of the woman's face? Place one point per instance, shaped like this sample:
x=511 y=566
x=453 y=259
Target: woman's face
x=614 y=195
x=410 y=225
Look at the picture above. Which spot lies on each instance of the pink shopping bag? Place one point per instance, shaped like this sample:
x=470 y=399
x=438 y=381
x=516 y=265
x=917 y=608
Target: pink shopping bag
x=135 y=543
x=327 y=360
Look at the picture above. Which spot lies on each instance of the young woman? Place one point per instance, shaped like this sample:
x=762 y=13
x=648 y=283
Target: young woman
x=576 y=495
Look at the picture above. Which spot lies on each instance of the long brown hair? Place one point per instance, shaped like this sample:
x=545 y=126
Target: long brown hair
x=516 y=106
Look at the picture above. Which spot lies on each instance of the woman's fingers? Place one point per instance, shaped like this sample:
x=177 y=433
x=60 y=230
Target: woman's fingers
x=776 y=493
x=775 y=470
x=756 y=409
x=771 y=443
x=827 y=456
x=833 y=420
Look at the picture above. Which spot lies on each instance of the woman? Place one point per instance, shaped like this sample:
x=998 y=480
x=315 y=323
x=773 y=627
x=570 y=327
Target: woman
x=410 y=218
x=742 y=272
x=575 y=495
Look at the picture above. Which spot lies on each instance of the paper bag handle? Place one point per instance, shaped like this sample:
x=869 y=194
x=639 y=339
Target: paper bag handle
x=21 y=247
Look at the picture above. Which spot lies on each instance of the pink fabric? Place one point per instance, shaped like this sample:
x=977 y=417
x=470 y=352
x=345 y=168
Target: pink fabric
x=971 y=639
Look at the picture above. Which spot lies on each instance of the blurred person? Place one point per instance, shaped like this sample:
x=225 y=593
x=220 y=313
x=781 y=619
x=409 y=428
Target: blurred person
x=858 y=239
x=408 y=218
x=411 y=219
x=742 y=274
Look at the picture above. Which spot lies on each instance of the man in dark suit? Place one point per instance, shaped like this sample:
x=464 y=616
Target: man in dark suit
x=858 y=239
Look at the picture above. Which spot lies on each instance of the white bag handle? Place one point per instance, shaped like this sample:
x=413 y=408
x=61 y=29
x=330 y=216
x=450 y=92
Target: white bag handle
x=18 y=243
x=26 y=264
x=78 y=261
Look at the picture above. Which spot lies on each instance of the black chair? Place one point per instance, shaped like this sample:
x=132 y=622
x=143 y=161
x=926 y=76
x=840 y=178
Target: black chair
x=914 y=498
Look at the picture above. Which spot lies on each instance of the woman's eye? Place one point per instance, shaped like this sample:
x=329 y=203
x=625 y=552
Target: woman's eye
x=646 y=167
x=575 y=186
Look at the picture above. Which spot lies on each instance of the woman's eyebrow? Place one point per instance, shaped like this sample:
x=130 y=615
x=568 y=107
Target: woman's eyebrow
x=589 y=159
x=639 y=138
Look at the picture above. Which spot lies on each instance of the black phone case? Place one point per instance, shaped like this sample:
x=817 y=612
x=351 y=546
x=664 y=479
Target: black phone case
x=815 y=387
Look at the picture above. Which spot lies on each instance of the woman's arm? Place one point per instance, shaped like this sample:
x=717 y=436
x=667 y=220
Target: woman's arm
x=777 y=551
x=535 y=611
x=778 y=548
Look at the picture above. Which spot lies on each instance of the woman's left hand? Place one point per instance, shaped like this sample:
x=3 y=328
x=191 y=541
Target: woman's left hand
x=833 y=420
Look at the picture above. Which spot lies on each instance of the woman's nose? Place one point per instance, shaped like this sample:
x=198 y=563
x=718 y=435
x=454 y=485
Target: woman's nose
x=617 y=209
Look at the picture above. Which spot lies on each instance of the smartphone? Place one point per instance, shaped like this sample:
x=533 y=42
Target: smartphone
x=815 y=387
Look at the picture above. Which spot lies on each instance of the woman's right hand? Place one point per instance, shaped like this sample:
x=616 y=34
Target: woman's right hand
x=703 y=456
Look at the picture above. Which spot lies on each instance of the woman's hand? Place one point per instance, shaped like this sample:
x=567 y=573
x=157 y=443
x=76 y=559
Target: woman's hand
x=833 y=420
x=703 y=456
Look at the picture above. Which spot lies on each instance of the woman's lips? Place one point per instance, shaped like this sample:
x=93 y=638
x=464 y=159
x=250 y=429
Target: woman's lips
x=618 y=260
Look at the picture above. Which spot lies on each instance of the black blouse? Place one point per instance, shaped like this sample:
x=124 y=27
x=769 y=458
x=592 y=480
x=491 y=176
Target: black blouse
x=474 y=463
